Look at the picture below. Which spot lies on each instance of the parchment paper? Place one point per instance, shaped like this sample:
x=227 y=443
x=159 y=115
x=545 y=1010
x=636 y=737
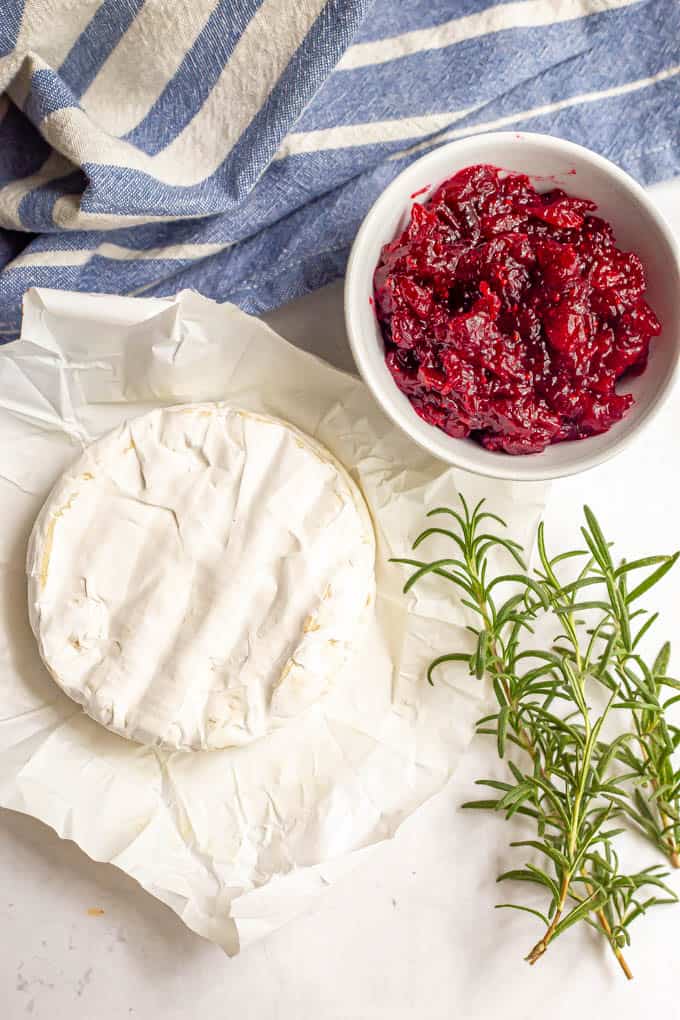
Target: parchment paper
x=238 y=841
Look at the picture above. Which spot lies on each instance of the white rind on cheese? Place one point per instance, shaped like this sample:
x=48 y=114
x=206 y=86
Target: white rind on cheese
x=199 y=575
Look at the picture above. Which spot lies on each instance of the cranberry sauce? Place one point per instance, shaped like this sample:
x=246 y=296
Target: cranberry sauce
x=509 y=315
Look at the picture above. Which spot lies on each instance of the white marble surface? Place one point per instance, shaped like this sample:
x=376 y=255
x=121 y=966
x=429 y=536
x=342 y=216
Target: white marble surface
x=411 y=934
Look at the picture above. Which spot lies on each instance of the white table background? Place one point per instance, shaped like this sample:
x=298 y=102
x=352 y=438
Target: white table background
x=411 y=934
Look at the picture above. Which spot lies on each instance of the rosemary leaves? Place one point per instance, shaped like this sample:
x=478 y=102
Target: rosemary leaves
x=581 y=720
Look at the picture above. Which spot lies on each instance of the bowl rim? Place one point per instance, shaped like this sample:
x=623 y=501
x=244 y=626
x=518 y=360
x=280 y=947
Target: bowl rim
x=407 y=420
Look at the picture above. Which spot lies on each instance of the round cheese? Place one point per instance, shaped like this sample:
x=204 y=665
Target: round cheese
x=199 y=575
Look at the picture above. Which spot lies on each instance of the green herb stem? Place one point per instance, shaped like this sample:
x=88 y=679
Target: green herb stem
x=574 y=785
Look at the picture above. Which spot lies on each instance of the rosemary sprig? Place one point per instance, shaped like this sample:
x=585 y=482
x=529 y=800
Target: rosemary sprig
x=655 y=803
x=658 y=813
x=571 y=784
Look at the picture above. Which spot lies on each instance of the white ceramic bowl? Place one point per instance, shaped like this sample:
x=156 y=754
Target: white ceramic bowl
x=551 y=162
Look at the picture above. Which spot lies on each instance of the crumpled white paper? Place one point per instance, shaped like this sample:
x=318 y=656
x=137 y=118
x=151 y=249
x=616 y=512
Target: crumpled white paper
x=237 y=841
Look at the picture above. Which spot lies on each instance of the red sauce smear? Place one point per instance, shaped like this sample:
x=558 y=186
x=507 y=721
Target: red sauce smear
x=420 y=191
x=508 y=315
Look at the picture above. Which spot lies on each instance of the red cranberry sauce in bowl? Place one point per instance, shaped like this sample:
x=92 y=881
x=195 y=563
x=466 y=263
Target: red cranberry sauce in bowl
x=508 y=316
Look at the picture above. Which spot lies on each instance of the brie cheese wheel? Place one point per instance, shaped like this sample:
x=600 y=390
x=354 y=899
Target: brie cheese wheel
x=199 y=575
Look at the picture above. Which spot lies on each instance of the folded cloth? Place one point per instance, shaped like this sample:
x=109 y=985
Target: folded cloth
x=233 y=146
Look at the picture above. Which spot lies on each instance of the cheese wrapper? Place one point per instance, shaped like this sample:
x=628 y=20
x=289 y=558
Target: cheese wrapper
x=236 y=841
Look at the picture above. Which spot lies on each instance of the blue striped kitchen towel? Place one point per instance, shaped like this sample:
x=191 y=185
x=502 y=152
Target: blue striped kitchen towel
x=233 y=146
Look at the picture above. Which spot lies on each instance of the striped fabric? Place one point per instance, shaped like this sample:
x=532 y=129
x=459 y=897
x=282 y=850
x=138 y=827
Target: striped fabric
x=233 y=146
